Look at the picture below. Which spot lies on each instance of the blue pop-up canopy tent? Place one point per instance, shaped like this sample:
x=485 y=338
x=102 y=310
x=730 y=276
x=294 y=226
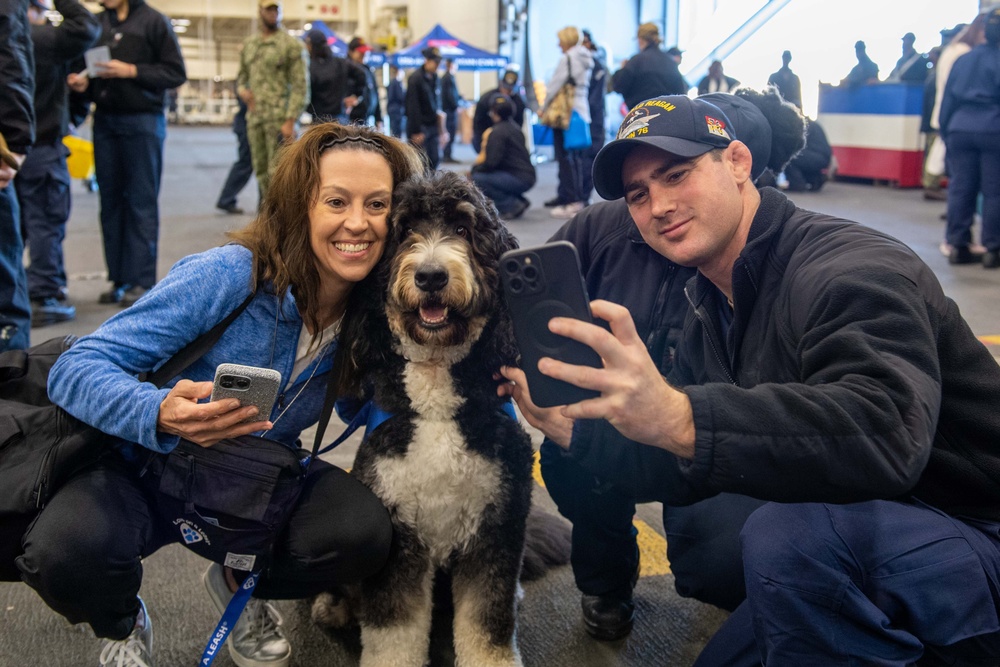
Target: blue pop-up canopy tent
x=339 y=46
x=466 y=56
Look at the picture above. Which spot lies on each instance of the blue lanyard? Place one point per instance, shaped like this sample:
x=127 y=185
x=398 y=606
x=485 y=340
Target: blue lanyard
x=229 y=619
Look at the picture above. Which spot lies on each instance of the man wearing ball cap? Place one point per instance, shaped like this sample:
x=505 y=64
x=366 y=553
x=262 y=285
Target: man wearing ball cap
x=820 y=367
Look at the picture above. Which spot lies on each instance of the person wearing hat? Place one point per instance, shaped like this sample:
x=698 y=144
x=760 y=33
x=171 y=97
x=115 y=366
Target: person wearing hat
x=508 y=87
x=865 y=72
x=702 y=539
x=366 y=109
x=503 y=171
x=821 y=369
x=424 y=118
x=273 y=81
x=43 y=181
x=912 y=66
x=786 y=81
x=649 y=73
x=17 y=133
x=333 y=81
x=129 y=93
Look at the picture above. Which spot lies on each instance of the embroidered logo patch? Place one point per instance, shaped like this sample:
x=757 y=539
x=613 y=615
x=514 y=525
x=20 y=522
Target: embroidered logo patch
x=636 y=123
x=716 y=127
x=190 y=533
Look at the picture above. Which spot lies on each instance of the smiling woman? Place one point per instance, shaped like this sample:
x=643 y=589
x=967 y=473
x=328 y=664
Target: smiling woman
x=302 y=265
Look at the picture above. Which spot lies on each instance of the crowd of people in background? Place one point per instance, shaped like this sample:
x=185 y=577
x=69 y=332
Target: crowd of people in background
x=283 y=79
x=795 y=374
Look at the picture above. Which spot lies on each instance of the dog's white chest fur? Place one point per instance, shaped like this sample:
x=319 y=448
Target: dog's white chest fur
x=439 y=486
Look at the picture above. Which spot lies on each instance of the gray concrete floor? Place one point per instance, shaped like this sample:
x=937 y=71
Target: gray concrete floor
x=668 y=631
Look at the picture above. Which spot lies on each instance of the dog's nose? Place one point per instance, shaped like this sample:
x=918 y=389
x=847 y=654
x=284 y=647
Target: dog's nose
x=431 y=279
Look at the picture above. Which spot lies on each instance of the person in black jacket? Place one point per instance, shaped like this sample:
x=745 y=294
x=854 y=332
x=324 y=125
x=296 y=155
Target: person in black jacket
x=424 y=119
x=807 y=170
x=17 y=134
x=43 y=181
x=395 y=102
x=504 y=172
x=129 y=130
x=649 y=73
x=787 y=81
x=366 y=109
x=451 y=102
x=333 y=81
x=703 y=538
x=509 y=88
x=241 y=170
x=596 y=92
x=820 y=367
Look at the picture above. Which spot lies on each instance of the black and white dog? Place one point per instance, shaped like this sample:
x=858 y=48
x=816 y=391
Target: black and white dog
x=452 y=467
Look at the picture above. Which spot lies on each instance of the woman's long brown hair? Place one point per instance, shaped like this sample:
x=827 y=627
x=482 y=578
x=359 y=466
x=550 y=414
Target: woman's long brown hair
x=279 y=238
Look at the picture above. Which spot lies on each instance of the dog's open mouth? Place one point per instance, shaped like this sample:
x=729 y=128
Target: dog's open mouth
x=433 y=316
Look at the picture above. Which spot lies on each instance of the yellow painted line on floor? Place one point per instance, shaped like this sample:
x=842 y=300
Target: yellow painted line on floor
x=990 y=340
x=652 y=545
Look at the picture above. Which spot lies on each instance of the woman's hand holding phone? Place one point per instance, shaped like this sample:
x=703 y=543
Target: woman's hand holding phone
x=205 y=423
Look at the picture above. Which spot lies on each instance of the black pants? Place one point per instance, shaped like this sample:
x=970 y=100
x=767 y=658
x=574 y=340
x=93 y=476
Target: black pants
x=571 y=168
x=431 y=147
x=83 y=554
x=451 y=125
x=239 y=173
x=702 y=539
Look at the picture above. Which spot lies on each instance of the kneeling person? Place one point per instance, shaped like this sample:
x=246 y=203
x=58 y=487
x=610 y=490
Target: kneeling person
x=503 y=171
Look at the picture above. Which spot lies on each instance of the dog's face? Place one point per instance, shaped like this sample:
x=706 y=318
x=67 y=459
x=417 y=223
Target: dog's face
x=443 y=284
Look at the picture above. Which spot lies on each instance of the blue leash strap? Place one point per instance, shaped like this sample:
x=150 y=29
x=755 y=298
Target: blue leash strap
x=229 y=619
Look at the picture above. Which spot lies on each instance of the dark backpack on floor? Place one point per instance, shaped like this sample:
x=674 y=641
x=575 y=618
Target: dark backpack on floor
x=41 y=445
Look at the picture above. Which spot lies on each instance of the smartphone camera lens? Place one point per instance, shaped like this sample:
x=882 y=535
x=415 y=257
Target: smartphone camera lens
x=530 y=273
x=226 y=382
x=242 y=383
x=516 y=285
x=511 y=266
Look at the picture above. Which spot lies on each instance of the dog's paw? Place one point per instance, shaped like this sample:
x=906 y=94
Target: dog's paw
x=331 y=611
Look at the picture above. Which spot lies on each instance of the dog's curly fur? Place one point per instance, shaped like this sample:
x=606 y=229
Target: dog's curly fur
x=451 y=467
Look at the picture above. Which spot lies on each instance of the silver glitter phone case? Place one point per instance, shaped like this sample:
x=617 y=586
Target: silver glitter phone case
x=251 y=385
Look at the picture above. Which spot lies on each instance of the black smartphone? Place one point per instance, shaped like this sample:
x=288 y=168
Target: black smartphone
x=540 y=283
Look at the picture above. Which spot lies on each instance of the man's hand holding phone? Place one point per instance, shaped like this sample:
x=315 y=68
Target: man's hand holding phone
x=634 y=397
x=205 y=423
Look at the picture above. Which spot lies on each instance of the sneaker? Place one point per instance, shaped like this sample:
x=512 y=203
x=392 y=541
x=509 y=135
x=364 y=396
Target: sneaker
x=963 y=254
x=50 y=310
x=555 y=201
x=113 y=295
x=232 y=209
x=974 y=248
x=568 y=211
x=991 y=259
x=136 y=650
x=131 y=295
x=256 y=640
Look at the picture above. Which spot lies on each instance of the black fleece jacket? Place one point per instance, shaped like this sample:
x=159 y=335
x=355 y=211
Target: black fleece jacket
x=145 y=39
x=17 y=80
x=56 y=48
x=505 y=151
x=851 y=377
x=649 y=73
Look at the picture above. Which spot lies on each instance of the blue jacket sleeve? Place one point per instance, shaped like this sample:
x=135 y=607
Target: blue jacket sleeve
x=97 y=382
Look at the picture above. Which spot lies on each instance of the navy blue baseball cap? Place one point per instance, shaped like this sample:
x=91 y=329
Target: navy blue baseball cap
x=673 y=123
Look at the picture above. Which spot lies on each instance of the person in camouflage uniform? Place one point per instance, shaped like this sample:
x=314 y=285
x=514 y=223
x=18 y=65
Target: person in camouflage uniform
x=274 y=83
